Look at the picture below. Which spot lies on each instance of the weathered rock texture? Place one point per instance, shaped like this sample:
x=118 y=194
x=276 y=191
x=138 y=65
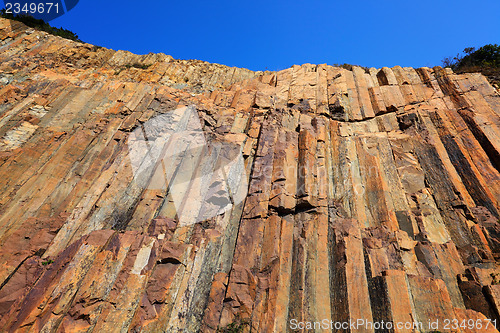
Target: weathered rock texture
x=373 y=194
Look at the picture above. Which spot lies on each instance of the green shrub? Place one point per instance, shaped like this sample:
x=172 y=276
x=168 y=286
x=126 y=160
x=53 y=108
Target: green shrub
x=37 y=24
x=139 y=66
x=237 y=326
x=485 y=56
x=485 y=60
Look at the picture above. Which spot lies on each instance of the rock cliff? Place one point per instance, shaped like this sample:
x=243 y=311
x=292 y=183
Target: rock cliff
x=373 y=194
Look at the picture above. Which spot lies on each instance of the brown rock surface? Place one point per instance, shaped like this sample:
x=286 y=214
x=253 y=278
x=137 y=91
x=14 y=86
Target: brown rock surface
x=372 y=195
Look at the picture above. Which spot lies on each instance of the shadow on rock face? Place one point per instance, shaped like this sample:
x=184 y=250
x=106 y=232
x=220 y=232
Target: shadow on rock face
x=202 y=177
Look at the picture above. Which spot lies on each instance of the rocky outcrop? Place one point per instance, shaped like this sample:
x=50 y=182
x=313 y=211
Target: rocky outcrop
x=372 y=195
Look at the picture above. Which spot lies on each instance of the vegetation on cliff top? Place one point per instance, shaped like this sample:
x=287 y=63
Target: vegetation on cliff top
x=37 y=24
x=485 y=60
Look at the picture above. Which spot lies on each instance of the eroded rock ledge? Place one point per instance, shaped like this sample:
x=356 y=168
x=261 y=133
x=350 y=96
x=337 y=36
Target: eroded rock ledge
x=372 y=194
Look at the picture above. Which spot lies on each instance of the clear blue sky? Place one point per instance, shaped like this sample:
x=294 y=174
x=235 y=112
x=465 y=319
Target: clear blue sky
x=277 y=34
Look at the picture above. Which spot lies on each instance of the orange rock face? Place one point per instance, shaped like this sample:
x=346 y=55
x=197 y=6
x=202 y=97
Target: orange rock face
x=373 y=196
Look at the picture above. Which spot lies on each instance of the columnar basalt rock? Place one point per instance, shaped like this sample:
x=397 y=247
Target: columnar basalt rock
x=373 y=194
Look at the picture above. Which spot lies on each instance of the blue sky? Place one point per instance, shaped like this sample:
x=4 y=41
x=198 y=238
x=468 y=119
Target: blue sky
x=275 y=35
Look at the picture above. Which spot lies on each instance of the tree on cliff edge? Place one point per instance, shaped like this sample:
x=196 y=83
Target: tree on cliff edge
x=486 y=60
